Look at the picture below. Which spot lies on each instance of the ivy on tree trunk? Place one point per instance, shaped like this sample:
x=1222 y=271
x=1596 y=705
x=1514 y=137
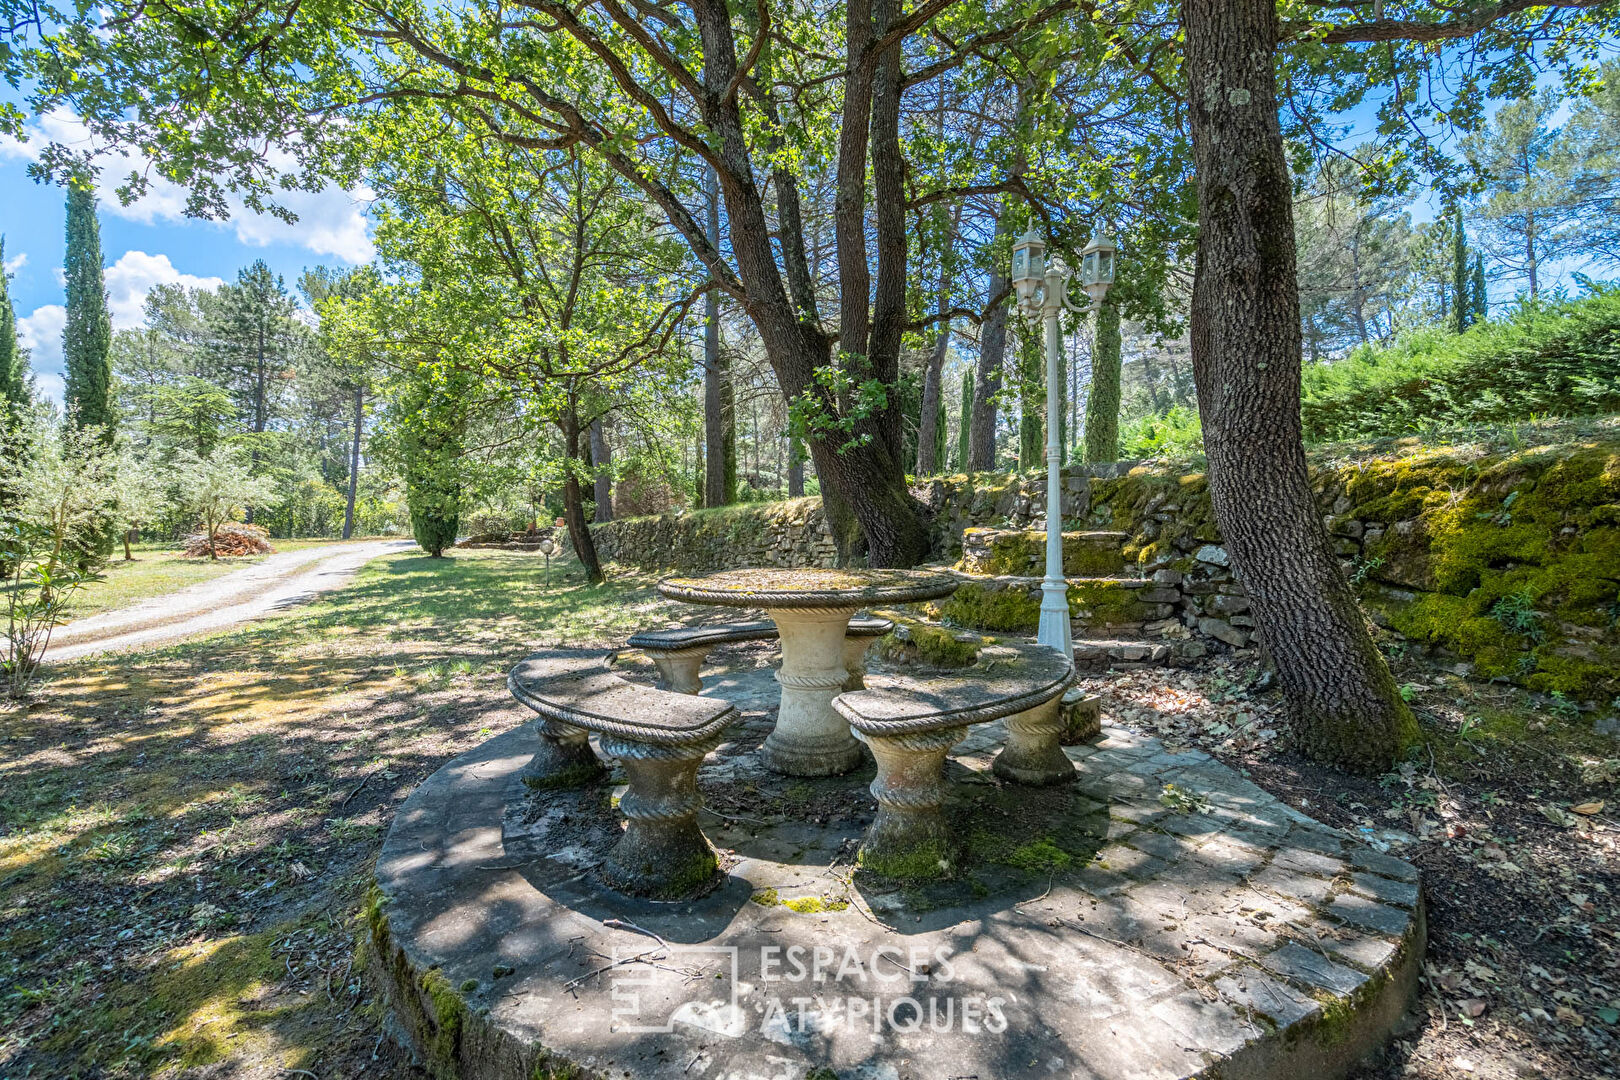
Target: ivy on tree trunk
x=1246 y=358
x=1102 y=403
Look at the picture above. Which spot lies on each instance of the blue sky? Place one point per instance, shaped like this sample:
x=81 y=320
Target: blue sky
x=150 y=243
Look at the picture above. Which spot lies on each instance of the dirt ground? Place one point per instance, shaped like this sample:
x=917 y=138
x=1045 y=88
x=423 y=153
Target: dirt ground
x=186 y=839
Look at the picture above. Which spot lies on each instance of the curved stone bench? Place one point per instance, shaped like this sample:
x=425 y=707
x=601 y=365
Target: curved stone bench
x=679 y=654
x=912 y=721
x=661 y=738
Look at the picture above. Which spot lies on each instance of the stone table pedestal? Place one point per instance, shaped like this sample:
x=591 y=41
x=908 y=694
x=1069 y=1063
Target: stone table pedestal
x=811 y=609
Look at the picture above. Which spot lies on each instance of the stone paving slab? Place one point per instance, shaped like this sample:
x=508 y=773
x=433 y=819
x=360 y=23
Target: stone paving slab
x=1243 y=940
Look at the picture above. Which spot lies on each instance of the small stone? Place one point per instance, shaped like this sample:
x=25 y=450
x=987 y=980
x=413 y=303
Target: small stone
x=1223 y=631
x=1159 y=596
x=1167 y=577
x=1228 y=605
x=1213 y=555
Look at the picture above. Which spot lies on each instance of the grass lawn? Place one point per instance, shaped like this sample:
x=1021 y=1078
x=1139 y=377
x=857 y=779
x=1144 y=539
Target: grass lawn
x=187 y=834
x=159 y=569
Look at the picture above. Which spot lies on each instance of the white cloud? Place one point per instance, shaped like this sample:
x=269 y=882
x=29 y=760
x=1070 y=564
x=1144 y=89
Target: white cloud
x=134 y=275
x=330 y=222
x=16 y=262
x=128 y=281
x=52 y=386
x=41 y=334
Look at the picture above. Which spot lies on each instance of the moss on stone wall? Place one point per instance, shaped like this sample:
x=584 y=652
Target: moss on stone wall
x=1519 y=558
x=1023 y=551
x=993 y=607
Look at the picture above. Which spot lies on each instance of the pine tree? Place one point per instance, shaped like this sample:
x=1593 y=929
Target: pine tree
x=964 y=431
x=1461 y=310
x=87 y=338
x=1477 y=299
x=1102 y=403
x=13 y=361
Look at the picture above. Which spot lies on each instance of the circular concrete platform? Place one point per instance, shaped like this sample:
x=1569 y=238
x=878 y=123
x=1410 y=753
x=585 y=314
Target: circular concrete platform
x=1102 y=930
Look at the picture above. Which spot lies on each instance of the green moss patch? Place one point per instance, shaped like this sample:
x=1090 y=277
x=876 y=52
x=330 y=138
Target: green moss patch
x=1512 y=553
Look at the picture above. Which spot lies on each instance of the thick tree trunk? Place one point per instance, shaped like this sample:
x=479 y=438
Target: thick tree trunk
x=1102 y=402
x=714 y=418
x=1246 y=358
x=1031 y=396
x=602 y=463
x=992 y=360
x=928 y=436
x=579 y=533
x=862 y=478
x=354 y=461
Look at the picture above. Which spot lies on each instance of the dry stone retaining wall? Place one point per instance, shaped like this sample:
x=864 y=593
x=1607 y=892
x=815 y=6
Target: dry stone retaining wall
x=1506 y=563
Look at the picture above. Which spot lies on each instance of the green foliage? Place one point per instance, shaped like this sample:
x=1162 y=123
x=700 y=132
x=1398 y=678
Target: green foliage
x=1175 y=434
x=1031 y=398
x=1102 y=403
x=49 y=536
x=87 y=337
x=430 y=418
x=13 y=360
x=964 y=430
x=217 y=488
x=1548 y=359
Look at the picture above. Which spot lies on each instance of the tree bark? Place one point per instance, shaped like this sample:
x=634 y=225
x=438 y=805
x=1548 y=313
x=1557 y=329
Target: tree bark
x=928 y=437
x=714 y=418
x=877 y=520
x=1246 y=360
x=987 y=378
x=1102 y=401
x=601 y=463
x=354 y=461
x=579 y=533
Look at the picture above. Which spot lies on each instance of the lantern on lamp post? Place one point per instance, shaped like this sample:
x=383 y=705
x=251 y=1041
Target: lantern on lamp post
x=1042 y=289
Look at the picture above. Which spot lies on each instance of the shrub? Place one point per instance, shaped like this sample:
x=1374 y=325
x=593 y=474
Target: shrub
x=1553 y=358
x=1175 y=434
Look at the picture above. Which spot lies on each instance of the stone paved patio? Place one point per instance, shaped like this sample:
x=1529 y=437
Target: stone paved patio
x=1092 y=931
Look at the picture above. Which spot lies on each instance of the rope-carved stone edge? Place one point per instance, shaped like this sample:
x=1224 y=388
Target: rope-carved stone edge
x=604 y=725
x=983 y=714
x=831 y=601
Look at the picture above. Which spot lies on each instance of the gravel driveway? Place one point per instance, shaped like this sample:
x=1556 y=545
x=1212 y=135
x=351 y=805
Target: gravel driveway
x=275 y=584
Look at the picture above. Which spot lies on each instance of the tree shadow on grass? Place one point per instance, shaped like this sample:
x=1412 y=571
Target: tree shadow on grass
x=186 y=833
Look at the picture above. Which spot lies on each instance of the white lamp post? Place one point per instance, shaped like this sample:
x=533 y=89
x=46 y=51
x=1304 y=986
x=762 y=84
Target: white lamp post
x=1042 y=289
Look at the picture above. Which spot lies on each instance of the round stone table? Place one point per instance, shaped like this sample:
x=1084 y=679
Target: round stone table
x=811 y=609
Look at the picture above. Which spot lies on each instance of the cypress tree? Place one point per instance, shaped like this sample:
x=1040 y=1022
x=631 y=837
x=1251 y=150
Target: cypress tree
x=13 y=362
x=1031 y=398
x=1102 y=403
x=1477 y=298
x=432 y=420
x=87 y=337
x=964 y=432
x=1461 y=309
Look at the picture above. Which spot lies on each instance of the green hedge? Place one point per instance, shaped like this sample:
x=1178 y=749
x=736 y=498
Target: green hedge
x=1548 y=359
